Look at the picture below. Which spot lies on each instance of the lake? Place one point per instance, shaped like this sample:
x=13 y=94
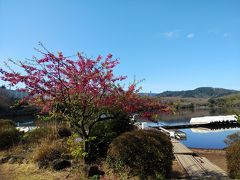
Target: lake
x=207 y=138
x=199 y=137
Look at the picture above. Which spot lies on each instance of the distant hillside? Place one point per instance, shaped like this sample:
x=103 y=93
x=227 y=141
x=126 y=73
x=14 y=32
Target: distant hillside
x=149 y=94
x=202 y=92
x=232 y=100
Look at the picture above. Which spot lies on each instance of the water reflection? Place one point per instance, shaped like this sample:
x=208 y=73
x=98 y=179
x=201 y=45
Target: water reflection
x=207 y=138
x=202 y=137
x=212 y=130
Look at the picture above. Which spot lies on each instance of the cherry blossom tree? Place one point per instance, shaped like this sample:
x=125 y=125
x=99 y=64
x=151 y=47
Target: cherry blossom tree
x=83 y=91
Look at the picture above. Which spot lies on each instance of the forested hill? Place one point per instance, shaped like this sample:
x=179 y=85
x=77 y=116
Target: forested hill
x=202 y=92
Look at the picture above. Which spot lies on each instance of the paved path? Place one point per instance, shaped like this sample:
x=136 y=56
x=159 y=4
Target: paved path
x=195 y=166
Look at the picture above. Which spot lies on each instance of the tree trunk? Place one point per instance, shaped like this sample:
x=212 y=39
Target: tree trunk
x=87 y=158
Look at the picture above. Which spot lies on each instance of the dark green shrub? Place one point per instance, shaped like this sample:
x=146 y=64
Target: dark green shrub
x=112 y=127
x=59 y=164
x=64 y=132
x=9 y=135
x=233 y=159
x=143 y=153
x=104 y=133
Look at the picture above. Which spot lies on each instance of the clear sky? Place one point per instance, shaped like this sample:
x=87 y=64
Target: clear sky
x=172 y=44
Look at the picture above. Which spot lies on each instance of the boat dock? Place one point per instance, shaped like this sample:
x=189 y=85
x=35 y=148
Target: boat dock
x=206 y=121
x=228 y=119
x=210 y=126
x=195 y=166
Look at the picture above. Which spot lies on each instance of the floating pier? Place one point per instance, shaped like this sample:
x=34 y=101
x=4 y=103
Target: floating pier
x=173 y=133
x=196 y=167
x=208 y=122
x=229 y=119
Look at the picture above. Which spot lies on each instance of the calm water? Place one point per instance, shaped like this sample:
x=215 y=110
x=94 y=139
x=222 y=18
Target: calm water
x=207 y=138
x=199 y=137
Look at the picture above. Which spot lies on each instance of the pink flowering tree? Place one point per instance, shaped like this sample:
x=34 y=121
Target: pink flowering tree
x=83 y=91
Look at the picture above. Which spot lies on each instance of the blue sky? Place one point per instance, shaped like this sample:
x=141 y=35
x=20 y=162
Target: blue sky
x=172 y=44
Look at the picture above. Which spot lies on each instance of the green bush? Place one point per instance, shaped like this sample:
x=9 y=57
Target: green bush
x=76 y=146
x=113 y=127
x=141 y=153
x=104 y=132
x=233 y=159
x=9 y=135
